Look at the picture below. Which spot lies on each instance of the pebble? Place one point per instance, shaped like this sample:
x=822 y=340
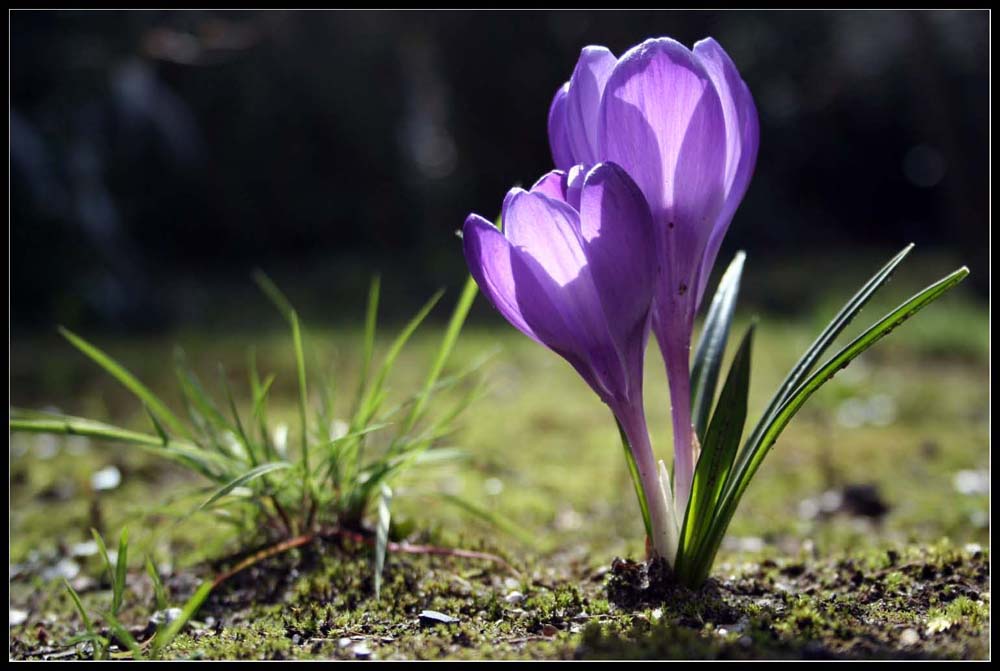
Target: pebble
x=165 y=616
x=514 y=597
x=909 y=637
x=432 y=617
x=18 y=616
x=65 y=568
x=106 y=478
x=84 y=549
x=549 y=630
x=362 y=651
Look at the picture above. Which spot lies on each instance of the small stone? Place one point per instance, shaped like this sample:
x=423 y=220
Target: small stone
x=18 y=616
x=549 y=630
x=65 y=568
x=909 y=637
x=164 y=617
x=514 y=597
x=84 y=549
x=344 y=642
x=106 y=478
x=974 y=549
x=362 y=651
x=430 y=618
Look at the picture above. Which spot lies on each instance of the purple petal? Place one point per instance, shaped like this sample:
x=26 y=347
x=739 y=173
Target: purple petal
x=562 y=153
x=742 y=140
x=570 y=319
x=574 y=182
x=583 y=101
x=488 y=255
x=620 y=243
x=552 y=184
x=662 y=121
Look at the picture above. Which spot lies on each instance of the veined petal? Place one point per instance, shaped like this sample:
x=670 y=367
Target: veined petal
x=552 y=184
x=546 y=233
x=662 y=121
x=488 y=254
x=562 y=153
x=620 y=244
x=574 y=183
x=742 y=140
x=583 y=101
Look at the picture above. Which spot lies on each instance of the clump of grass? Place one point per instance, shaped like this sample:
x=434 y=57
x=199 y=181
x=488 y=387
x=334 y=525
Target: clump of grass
x=338 y=475
x=117 y=572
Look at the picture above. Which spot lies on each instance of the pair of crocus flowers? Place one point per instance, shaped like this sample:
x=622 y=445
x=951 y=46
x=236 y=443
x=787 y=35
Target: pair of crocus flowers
x=654 y=151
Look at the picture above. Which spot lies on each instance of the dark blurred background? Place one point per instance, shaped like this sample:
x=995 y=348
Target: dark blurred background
x=158 y=157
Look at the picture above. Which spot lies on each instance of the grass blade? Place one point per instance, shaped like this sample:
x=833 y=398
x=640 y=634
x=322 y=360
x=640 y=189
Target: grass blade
x=205 y=463
x=123 y=635
x=712 y=345
x=159 y=591
x=103 y=549
x=243 y=479
x=495 y=519
x=188 y=611
x=87 y=624
x=121 y=572
x=129 y=381
x=382 y=536
x=455 y=324
x=368 y=342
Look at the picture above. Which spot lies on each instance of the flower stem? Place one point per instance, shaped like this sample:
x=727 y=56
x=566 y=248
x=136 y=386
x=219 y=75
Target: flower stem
x=679 y=379
x=632 y=422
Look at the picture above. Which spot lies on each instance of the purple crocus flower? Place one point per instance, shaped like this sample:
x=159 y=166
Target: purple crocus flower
x=575 y=269
x=683 y=124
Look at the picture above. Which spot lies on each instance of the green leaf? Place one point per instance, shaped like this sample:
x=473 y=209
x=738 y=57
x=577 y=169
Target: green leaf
x=382 y=536
x=205 y=463
x=163 y=638
x=722 y=440
x=243 y=479
x=633 y=469
x=121 y=572
x=103 y=549
x=248 y=445
x=285 y=307
x=368 y=342
x=159 y=591
x=771 y=426
x=87 y=624
x=123 y=635
x=712 y=345
x=812 y=355
x=458 y=317
x=493 y=518
x=129 y=381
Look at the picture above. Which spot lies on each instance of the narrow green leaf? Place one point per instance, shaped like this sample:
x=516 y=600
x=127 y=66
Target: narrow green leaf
x=382 y=536
x=368 y=342
x=712 y=345
x=123 y=635
x=188 y=611
x=633 y=469
x=159 y=591
x=493 y=518
x=103 y=549
x=87 y=624
x=812 y=355
x=129 y=381
x=164 y=637
x=244 y=439
x=121 y=573
x=243 y=479
x=451 y=333
x=722 y=440
x=273 y=293
x=160 y=431
x=205 y=463
x=761 y=441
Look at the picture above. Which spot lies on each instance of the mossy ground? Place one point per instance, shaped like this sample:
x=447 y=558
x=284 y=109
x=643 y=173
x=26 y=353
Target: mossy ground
x=796 y=579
